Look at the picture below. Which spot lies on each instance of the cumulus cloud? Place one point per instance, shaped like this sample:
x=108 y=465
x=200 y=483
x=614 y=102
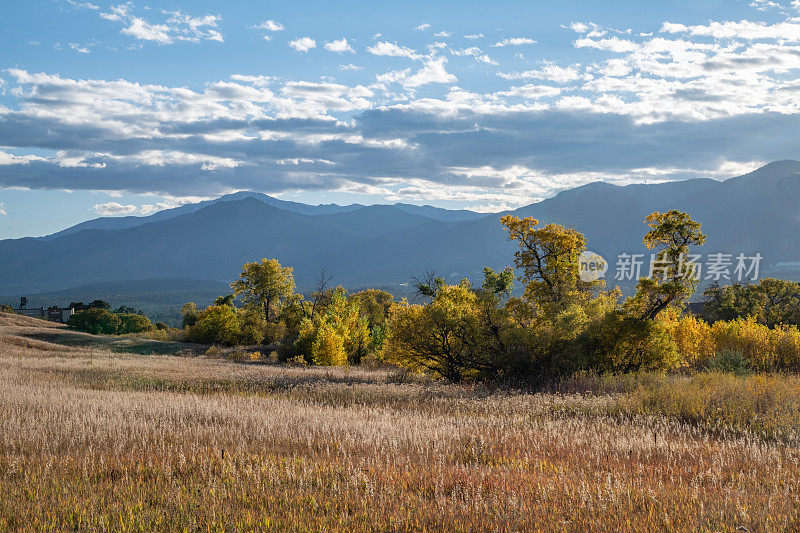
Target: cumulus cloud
x=385 y=48
x=476 y=53
x=303 y=44
x=340 y=45
x=549 y=71
x=422 y=27
x=269 y=25
x=114 y=209
x=432 y=72
x=514 y=41
x=178 y=26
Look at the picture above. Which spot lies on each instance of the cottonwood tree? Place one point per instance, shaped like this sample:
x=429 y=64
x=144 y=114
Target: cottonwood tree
x=674 y=280
x=264 y=284
x=548 y=257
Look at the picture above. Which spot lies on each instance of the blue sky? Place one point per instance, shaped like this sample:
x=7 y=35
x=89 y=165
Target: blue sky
x=110 y=108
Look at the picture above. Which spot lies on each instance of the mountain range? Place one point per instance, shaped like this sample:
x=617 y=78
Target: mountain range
x=385 y=245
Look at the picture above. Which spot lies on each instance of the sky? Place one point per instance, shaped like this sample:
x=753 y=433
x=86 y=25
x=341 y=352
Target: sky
x=112 y=109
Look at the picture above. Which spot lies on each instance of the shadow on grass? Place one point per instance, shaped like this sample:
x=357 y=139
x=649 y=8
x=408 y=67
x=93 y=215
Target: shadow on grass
x=132 y=345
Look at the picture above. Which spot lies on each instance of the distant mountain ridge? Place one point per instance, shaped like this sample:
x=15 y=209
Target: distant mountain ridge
x=113 y=223
x=387 y=244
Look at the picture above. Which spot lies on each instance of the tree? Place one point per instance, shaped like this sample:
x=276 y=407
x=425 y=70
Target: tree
x=189 y=313
x=124 y=309
x=732 y=302
x=217 y=324
x=321 y=295
x=133 y=323
x=23 y=302
x=225 y=300
x=781 y=302
x=671 y=234
x=99 y=304
x=548 y=257
x=95 y=321
x=449 y=336
x=264 y=284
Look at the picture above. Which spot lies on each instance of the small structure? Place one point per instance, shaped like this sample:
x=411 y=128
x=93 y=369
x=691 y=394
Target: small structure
x=53 y=314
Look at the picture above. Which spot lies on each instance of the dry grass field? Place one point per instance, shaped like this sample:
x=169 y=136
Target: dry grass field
x=123 y=434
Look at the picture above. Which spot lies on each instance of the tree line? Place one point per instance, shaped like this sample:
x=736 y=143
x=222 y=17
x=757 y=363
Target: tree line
x=558 y=325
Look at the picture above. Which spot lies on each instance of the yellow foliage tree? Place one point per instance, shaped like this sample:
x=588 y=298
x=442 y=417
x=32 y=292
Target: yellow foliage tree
x=264 y=284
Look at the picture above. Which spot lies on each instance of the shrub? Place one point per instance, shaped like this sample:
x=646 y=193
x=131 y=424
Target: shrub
x=96 y=321
x=327 y=348
x=727 y=360
x=342 y=323
x=625 y=343
x=129 y=323
x=692 y=336
x=216 y=325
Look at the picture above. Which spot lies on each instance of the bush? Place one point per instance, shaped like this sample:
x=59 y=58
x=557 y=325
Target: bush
x=327 y=348
x=129 y=323
x=337 y=336
x=731 y=361
x=625 y=343
x=96 y=321
x=217 y=324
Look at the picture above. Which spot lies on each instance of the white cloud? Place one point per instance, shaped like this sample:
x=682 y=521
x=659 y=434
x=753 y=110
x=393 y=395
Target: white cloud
x=422 y=27
x=661 y=95
x=514 y=41
x=432 y=72
x=474 y=36
x=114 y=209
x=385 y=48
x=81 y=49
x=476 y=53
x=303 y=44
x=82 y=5
x=340 y=45
x=442 y=34
x=549 y=71
x=3 y=209
x=178 y=26
x=269 y=25
x=141 y=29
x=744 y=29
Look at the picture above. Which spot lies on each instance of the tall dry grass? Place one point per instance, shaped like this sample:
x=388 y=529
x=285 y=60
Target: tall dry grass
x=93 y=439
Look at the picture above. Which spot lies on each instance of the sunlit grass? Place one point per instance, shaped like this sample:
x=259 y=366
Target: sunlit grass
x=94 y=439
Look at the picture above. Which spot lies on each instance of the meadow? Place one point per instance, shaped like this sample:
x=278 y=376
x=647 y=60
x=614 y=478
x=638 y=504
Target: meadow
x=119 y=433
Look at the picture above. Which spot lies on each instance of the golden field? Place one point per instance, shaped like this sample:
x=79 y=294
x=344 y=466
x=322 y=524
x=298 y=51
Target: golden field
x=101 y=433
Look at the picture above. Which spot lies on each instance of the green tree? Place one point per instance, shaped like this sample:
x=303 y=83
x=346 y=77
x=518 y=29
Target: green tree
x=217 y=324
x=264 y=284
x=189 y=313
x=447 y=336
x=732 y=302
x=781 y=302
x=133 y=323
x=95 y=321
x=225 y=300
x=98 y=304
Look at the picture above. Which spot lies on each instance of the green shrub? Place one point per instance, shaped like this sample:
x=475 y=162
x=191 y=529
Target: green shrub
x=130 y=323
x=727 y=360
x=217 y=324
x=96 y=321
